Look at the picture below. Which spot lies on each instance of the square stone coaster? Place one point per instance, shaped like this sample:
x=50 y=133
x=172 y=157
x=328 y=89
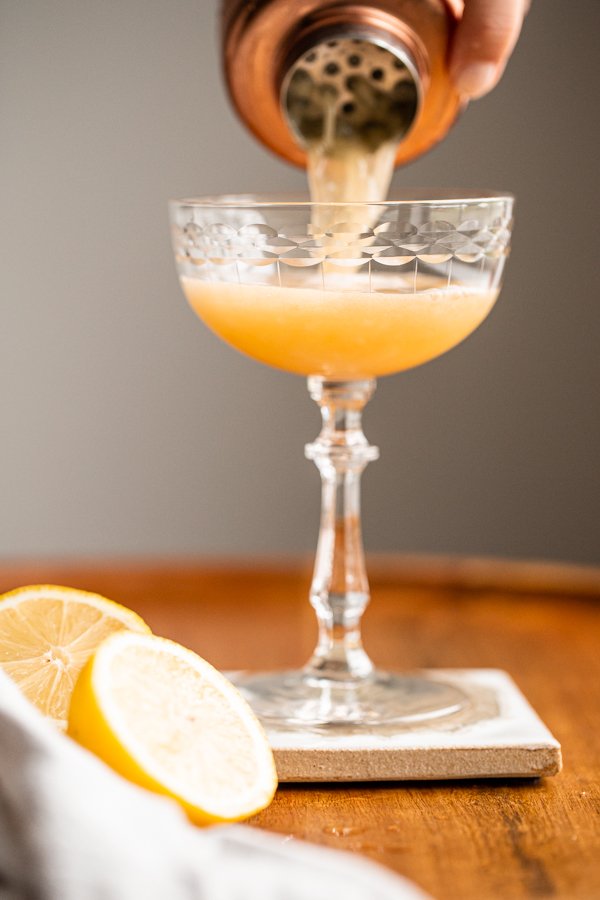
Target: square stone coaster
x=499 y=737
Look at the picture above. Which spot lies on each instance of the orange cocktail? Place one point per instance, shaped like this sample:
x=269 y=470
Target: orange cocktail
x=338 y=334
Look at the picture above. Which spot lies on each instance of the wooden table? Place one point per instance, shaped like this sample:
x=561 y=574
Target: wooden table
x=472 y=841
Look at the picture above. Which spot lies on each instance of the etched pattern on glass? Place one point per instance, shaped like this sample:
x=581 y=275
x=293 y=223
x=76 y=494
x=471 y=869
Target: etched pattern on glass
x=397 y=254
x=388 y=244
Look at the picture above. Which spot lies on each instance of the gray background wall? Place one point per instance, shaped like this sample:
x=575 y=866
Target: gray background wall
x=127 y=428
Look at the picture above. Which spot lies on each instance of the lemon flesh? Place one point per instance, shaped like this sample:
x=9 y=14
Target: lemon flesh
x=167 y=720
x=47 y=634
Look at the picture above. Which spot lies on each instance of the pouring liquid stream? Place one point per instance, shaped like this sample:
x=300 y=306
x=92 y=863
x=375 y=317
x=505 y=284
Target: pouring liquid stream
x=346 y=170
x=350 y=103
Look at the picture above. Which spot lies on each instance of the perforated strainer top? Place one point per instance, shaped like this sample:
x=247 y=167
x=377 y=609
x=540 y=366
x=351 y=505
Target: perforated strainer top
x=351 y=89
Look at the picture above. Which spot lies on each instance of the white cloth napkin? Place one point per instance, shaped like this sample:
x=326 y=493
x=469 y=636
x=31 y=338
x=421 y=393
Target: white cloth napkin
x=71 y=829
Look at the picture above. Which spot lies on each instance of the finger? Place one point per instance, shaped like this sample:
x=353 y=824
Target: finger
x=484 y=39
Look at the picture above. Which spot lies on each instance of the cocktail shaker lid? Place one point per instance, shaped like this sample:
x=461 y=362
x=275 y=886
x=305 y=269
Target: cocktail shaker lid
x=382 y=64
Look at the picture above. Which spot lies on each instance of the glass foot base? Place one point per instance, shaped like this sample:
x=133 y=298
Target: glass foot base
x=299 y=699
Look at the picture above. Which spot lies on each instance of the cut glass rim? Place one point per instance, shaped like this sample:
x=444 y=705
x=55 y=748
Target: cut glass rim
x=421 y=196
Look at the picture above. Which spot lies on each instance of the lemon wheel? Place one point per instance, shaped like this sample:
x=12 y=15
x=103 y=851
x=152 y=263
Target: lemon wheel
x=47 y=634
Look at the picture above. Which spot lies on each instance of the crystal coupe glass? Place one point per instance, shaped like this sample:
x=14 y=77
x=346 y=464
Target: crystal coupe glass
x=343 y=293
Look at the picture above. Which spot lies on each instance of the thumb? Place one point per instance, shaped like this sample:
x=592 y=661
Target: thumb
x=483 y=41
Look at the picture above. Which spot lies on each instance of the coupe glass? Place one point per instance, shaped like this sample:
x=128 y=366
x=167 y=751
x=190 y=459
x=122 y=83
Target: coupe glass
x=343 y=293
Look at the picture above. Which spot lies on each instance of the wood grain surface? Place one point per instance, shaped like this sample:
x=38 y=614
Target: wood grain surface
x=471 y=840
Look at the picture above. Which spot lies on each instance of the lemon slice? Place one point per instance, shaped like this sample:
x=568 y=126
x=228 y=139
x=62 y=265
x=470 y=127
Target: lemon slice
x=47 y=634
x=167 y=720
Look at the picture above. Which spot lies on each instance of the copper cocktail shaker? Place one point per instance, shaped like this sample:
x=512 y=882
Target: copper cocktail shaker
x=381 y=66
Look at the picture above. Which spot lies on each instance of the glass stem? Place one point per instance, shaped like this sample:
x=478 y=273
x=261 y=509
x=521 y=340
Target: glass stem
x=340 y=590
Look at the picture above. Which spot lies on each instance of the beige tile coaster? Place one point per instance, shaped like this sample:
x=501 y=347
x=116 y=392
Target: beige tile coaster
x=500 y=737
